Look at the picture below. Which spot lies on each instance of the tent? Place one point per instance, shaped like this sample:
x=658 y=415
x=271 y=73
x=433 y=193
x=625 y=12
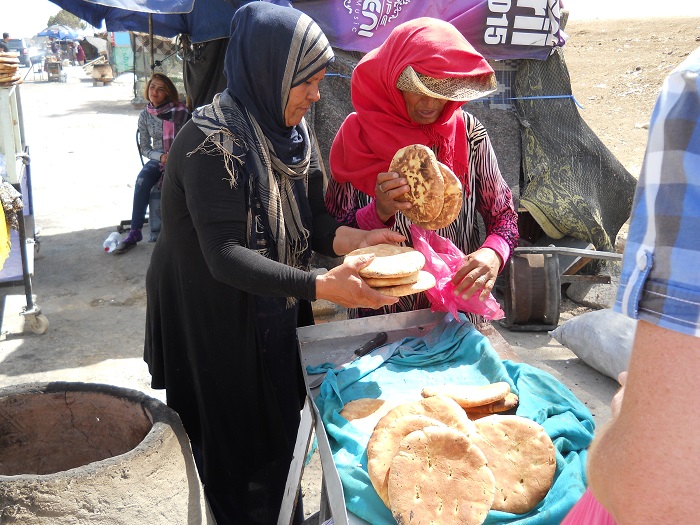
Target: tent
x=201 y=20
x=59 y=32
x=498 y=30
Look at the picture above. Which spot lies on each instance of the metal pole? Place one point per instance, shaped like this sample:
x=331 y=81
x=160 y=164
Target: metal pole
x=150 y=39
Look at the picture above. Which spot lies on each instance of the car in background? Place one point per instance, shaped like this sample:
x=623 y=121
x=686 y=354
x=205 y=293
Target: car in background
x=19 y=45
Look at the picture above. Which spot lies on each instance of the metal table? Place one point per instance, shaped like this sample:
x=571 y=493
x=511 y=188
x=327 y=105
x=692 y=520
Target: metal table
x=335 y=342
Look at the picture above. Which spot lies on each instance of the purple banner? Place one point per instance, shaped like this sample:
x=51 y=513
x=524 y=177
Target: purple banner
x=498 y=29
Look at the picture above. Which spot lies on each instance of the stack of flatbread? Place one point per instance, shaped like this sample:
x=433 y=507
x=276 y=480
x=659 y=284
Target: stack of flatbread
x=478 y=401
x=9 y=69
x=395 y=270
x=435 y=191
x=430 y=463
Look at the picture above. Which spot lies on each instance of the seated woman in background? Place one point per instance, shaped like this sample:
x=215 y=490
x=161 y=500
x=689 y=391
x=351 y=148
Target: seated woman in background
x=159 y=122
x=410 y=90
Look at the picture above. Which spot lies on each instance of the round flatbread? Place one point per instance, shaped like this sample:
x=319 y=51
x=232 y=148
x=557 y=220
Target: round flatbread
x=9 y=60
x=425 y=281
x=441 y=408
x=10 y=78
x=376 y=282
x=522 y=458
x=365 y=413
x=509 y=402
x=452 y=201
x=419 y=166
x=440 y=476
x=359 y=408
x=384 y=444
x=468 y=396
x=390 y=260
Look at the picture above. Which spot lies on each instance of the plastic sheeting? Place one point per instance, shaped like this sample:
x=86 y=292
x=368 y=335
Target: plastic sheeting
x=206 y=19
x=574 y=185
x=498 y=30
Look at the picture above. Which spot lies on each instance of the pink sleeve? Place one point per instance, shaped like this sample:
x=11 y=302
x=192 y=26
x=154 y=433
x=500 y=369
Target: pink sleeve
x=499 y=245
x=367 y=218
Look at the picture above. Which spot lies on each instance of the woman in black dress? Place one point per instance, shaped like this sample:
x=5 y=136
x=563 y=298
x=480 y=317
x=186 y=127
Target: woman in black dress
x=229 y=281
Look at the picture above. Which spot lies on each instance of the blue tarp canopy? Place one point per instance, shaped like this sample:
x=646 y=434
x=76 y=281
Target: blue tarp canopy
x=498 y=30
x=60 y=32
x=202 y=20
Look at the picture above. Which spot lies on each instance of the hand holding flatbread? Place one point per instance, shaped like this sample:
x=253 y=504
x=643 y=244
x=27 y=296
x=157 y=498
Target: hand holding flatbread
x=395 y=271
x=435 y=192
x=417 y=163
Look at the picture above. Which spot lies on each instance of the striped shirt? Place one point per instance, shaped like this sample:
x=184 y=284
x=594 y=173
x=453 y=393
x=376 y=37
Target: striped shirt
x=660 y=279
x=488 y=195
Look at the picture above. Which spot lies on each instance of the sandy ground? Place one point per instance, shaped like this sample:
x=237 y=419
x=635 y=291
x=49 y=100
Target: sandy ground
x=84 y=162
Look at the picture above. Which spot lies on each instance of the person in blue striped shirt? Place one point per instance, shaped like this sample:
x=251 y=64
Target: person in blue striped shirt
x=644 y=466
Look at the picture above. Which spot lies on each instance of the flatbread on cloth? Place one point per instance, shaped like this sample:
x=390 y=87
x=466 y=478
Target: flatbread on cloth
x=522 y=458
x=439 y=476
x=468 y=396
x=365 y=413
x=384 y=444
x=449 y=352
x=510 y=402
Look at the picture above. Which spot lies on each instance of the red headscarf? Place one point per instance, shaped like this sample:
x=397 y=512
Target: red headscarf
x=368 y=139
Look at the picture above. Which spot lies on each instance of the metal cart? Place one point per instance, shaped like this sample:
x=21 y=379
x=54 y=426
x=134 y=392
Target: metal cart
x=19 y=267
x=54 y=71
x=335 y=342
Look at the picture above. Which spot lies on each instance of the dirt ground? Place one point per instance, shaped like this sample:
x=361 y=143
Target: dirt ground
x=616 y=69
x=84 y=162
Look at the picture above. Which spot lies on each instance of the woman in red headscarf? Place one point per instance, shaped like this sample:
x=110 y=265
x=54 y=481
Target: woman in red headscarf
x=410 y=90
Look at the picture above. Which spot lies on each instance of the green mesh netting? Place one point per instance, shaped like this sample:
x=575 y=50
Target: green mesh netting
x=573 y=183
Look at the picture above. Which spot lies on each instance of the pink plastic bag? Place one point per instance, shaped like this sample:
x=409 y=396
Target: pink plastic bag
x=443 y=259
x=588 y=511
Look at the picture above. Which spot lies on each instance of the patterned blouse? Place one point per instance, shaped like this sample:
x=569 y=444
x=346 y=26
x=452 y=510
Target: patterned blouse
x=489 y=195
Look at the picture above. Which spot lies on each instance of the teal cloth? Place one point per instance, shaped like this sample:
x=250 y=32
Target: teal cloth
x=453 y=352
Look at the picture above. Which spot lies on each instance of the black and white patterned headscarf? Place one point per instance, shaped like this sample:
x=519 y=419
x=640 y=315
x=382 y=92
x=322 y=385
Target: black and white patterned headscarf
x=271 y=50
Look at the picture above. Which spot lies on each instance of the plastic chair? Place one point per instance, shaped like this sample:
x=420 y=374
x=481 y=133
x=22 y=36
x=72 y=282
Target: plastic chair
x=153 y=203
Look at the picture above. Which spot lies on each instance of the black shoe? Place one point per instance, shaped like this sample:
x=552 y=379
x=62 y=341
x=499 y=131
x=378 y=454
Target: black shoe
x=123 y=247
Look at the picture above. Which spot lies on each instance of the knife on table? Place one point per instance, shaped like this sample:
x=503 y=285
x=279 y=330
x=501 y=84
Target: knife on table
x=376 y=341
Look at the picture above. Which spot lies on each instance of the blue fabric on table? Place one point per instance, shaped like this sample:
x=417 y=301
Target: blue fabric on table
x=453 y=352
